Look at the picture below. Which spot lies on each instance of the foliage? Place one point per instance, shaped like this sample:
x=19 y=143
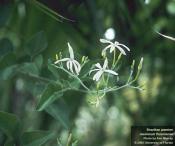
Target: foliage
x=48 y=89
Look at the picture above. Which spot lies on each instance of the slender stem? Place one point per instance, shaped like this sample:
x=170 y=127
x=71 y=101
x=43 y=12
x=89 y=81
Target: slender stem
x=130 y=76
x=38 y=78
x=114 y=58
x=119 y=57
x=76 y=77
x=136 y=77
x=104 y=91
x=114 y=64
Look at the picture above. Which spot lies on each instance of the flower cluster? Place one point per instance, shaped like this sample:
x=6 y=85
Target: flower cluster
x=74 y=66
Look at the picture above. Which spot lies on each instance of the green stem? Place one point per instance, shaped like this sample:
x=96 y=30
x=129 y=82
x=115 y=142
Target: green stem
x=119 y=57
x=114 y=58
x=34 y=77
x=76 y=77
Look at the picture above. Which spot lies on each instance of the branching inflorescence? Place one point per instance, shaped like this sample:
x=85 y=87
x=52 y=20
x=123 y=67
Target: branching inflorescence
x=103 y=73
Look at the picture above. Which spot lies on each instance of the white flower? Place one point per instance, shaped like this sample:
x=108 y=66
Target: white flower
x=100 y=70
x=71 y=62
x=114 y=45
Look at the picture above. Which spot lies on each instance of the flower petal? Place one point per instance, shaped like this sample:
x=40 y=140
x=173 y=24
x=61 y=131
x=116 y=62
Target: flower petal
x=111 y=72
x=105 y=63
x=71 y=52
x=68 y=65
x=98 y=75
x=112 y=48
x=78 y=65
x=61 y=60
x=98 y=65
x=121 y=50
x=77 y=70
x=104 y=50
x=105 y=41
x=107 y=47
x=71 y=66
x=93 y=70
x=124 y=46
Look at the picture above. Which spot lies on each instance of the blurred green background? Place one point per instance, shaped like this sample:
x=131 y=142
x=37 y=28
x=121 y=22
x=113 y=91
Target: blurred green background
x=24 y=66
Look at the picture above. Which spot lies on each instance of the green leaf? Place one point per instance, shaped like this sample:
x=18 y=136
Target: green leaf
x=29 y=68
x=8 y=72
x=9 y=124
x=5 y=46
x=60 y=111
x=7 y=60
x=50 y=94
x=36 y=138
x=49 y=11
x=38 y=61
x=36 y=44
x=54 y=71
x=75 y=143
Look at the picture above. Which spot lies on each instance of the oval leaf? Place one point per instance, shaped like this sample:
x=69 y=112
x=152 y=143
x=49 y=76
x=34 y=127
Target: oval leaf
x=61 y=112
x=36 y=44
x=9 y=124
x=50 y=94
x=36 y=138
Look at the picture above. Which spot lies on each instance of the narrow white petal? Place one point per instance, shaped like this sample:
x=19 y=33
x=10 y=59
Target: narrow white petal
x=107 y=47
x=105 y=63
x=121 y=50
x=61 y=60
x=68 y=65
x=105 y=41
x=78 y=65
x=98 y=65
x=112 y=48
x=111 y=72
x=71 y=52
x=93 y=70
x=77 y=70
x=124 y=46
x=71 y=66
x=98 y=75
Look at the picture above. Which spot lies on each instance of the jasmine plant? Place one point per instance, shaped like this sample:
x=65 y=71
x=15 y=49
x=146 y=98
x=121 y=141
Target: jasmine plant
x=102 y=84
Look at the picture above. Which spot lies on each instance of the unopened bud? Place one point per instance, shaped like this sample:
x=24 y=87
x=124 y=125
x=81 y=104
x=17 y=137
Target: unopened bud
x=83 y=59
x=56 y=56
x=103 y=54
x=133 y=64
x=140 y=64
x=60 y=55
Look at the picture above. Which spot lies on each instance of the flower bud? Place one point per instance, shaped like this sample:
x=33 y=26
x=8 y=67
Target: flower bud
x=140 y=64
x=133 y=64
x=56 y=56
x=83 y=59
